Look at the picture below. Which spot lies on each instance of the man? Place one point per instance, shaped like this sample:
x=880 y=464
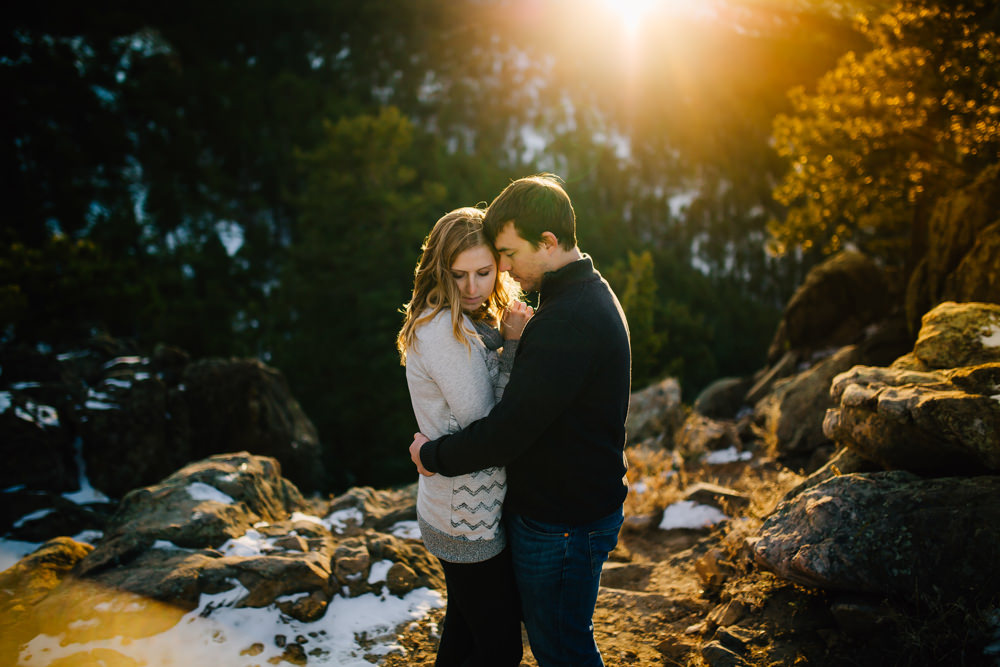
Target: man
x=560 y=426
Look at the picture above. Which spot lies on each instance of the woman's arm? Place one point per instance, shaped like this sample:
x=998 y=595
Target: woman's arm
x=459 y=372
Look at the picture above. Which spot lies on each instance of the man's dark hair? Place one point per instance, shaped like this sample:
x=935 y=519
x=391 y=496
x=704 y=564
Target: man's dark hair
x=535 y=204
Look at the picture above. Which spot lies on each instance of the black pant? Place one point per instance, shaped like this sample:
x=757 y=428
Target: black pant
x=482 y=625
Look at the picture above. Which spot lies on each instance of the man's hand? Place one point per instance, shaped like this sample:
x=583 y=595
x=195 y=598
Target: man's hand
x=418 y=441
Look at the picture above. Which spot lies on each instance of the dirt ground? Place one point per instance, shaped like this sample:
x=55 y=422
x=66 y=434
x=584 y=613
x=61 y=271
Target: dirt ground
x=696 y=598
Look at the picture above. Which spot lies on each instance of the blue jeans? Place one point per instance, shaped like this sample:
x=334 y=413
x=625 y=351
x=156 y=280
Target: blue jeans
x=558 y=572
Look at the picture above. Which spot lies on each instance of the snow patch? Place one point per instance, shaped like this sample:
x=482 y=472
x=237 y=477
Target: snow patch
x=31 y=517
x=992 y=337
x=202 y=491
x=409 y=530
x=337 y=521
x=728 y=455
x=379 y=571
x=12 y=551
x=218 y=633
x=689 y=514
x=251 y=543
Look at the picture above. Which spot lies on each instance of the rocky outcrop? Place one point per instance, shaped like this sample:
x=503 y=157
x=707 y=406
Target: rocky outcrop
x=889 y=533
x=934 y=423
x=723 y=399
x=700 y=435
x=962 y=262
x=242 y=404
x=132 y=420
x=655 y=412
x=955 y=334
x=837 y=300
x=935 y=411
x=230 y=523
x=791 y=416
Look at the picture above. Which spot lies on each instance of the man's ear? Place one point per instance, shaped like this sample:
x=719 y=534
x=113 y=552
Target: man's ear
x=549 y=241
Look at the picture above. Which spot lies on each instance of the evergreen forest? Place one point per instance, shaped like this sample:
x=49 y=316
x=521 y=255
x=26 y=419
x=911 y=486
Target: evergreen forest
x=255 y=178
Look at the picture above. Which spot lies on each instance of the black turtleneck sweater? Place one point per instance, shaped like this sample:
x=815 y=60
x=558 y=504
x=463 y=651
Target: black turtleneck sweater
x=560 y=426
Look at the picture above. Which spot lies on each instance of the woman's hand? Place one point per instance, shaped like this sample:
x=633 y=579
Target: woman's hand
x=514 y=319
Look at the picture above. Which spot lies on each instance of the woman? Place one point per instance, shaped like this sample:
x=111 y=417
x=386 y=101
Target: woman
x=455 y=370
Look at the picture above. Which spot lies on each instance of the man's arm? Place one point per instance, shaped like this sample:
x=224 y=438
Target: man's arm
x=552 y=365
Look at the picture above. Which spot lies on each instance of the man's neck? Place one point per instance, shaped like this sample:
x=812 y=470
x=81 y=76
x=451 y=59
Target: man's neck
x=565 y=257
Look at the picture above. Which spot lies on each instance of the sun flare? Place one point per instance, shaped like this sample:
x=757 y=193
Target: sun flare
x=634 y=12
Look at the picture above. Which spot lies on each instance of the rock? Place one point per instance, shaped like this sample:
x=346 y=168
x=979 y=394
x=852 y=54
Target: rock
x=425 y=567
x=955 y=334
x=837 y=300
x=676 y=650
x=717 y=655
x=861 y=615
x=36 y=447
x=199 y=506
x=134 y=429
x=352 y=562
x=723 y=398
x=699 y=435
x=937 y=422
x=961 y=256
x=977 y=276
x=791 y=416
x=843 y=462
x=654 y=411
x=401 y=579
x=889 y=533
x=54 y=516
x=767 y=378
x=244 y=405
x=733 y=637
x=726 y=614
x=719 y=497
x=25 y=584
x=378 y=509
x=146 y=418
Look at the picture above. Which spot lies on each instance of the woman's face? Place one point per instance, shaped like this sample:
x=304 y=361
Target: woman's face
x=475 y=273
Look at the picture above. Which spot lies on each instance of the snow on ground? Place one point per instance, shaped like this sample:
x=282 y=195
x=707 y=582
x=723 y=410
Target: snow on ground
x=12 y=551
x=219 y=634
x=689 y=514
x=728 y=455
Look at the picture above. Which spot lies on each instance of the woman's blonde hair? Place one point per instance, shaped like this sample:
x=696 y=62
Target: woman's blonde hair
x=434 y=287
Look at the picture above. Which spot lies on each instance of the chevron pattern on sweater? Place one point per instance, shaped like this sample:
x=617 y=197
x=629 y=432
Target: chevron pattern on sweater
x=498 y=484
x=478 y=524
x=479 y=507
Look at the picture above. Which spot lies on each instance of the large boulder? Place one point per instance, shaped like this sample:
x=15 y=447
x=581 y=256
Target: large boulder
x=932 y=422
x=134 y=428
x=955 y=334
x=977 y=276
x=37 y=446
x=723 y=398
x=962 y=262
x=836 y=301
x=144 y=418
x=655 y=412
x=242 y=404
x=199 y=506
x=233 y=517
x=790 y=418
x=889 y=533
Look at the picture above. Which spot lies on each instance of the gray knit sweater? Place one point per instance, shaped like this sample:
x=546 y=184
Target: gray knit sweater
x=451 y=386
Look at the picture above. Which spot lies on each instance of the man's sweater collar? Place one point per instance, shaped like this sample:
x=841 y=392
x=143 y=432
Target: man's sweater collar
x=576 y=271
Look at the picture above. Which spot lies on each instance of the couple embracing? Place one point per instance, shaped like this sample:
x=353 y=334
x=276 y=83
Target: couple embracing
x=522 y=426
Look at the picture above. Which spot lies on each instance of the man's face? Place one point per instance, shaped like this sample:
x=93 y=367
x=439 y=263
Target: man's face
x=526 y=264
